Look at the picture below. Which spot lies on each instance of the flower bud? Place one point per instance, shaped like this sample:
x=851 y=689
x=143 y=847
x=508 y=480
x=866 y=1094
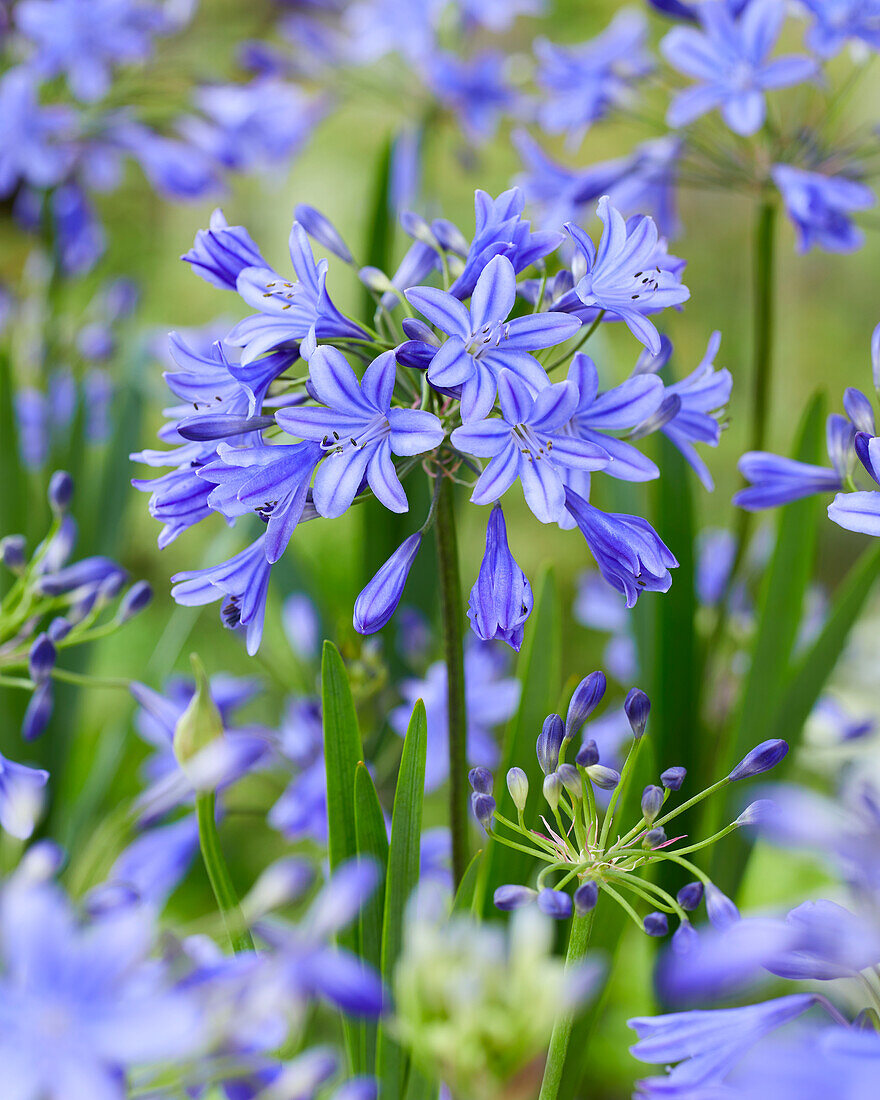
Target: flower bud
x=720 y=909
x=555 y=903
x=653 y=838
x=588 y=754
x=134 y=601
x=418 y=330
x=762 y=758
x=480 y=780
x=415 y=226
x=652 y=802
x=858 y=409
x=59 y=628
x=60 y=492
x=206 y=427
x=378 y=601
x=586 y=697
x=585 y=898
x=755 y=812
x=690 y=895
x=518 y=785
x=549 y=743
x=605 y=778
x=656 y=924
x=323 y=231
x=673 y=778
x=513 y=897
x=501 y=599
x=201 y=723
x=12 y=550
x=637 y=705
x=376 y=280
x=110 y=587
x=552 y=790
x=38 y=713
x=571 y=780
x=684 y=938
x=483 y=806
x=41 y=658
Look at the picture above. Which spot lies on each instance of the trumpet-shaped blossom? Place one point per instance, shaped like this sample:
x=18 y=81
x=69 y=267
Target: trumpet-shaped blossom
x=529 y=442
x=21 y=797
x=476 y=90
x=358 y=431
x=482 y=342
x=289 y=312
x=35 y=145
x=221 y=252
x=301 y=811
x=623 y=277
x=729 y=58
x=379 y=599
x=501 y=599
x=820 y=206
x=838 y=21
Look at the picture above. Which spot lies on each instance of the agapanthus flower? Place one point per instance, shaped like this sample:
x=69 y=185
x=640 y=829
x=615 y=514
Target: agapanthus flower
x=221 y=252
x=729 y=58
x=35 y=143
x=820 y=206
x=623 y=277
x=529 y=442
x=838 y=21
x=175 y=168
x=301 y=811
x=498 y=15
x=482 y=342
x=501 y=599
x=21 y=797
x=375 y=28
x=476 y=89
x=378 y=601
x=151 y=867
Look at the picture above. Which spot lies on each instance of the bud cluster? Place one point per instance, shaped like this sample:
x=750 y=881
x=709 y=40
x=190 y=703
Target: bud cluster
x=586 y=850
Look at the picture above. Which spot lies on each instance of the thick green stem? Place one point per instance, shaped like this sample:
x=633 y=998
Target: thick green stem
x=218 y=875
x=578 y=942
x=453 y=645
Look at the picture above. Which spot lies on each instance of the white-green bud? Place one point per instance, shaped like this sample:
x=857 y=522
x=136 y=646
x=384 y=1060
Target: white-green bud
x=518 y=785
x=552 y=790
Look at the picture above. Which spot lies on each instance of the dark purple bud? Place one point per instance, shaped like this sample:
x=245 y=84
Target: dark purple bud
x=513 y=897
x=690 y=895
x=720 y=909
x=415 y=354
x=571 y=780
x=12 y=552
x=483 y=806
x=588 y=754
x=676 y=9
x=605 y=778
x=481 y=780
x=673 y=778
x=587 y=696
x=761 y=759
x=637 y=705
x=549 y=743
x=134 y=601
x=209 y=426
x=518 y=785
x=38 y=713
x=379 y=599
x=88 y=573
x=58 y=629
x=684 y=938
x=41 y=658
x=60 y=492
x=656 y=924
x=555 y=903
x=654 y=837
x=415 y=329
x=323 y=231
x=585 y=898
x=652 y=802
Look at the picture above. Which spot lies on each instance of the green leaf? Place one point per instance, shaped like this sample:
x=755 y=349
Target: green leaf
x=13 y=496
x=466 y=893
x=403 y=876
x=372 y=843
x=539 y=671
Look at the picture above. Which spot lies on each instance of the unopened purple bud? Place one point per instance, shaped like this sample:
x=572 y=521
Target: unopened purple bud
x=59 y=628
x=571 y=780
x=134 y=601
x=656 y=924
x=206 y=427
x=418 y=330
x=513 y=897
x=552 y=790
x=481 y=780
x=379 y=599
x=518 y=785
x=690 y=895
x=549 y=743
x=605 y=778
x=88 y=573
x=654 y=837
x=38 y=713
x=637 y=705
x=588 y=754
x=652 y=802
x=585 y=898
x=684 y=938
x=587 y=696
x=60 y=492
x=110 y=587
x=323 y=231
x=12 y=552
x=720 y=909
x=762 y=758
x=555 y=903
x=756 y=812
x=673 y=778
x=41 y=658
x=483 y=806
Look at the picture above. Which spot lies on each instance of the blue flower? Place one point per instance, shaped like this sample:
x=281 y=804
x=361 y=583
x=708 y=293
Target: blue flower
x=836 y=21
x=729 y=58
x=582 y=83
x=529 y=441
x=482 y=342
x=378 y=601
x=475 y=89
x=21 y=797
x=152 y=866
x=289 y=311
x=35 y=142
x=79 y=235
x=623 y=276
x=358 y=431
x=501 y=599
x=819 y=206
x=221 y=252
x=176 y=169
x=301 y=811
